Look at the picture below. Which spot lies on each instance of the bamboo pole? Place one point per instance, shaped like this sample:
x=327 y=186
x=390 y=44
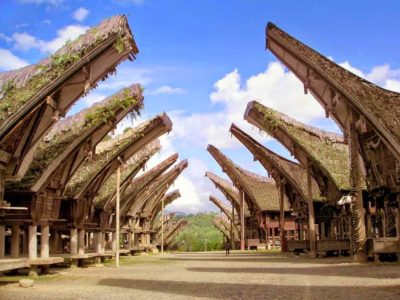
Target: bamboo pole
x=117 y=216
x=242 y=229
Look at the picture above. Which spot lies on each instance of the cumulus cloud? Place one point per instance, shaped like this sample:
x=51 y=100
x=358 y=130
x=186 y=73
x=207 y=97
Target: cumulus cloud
x=5 y=38
x=166 y=89
x=65 y=34
x=25 y=41
x=9 y=61
x=80 y=14
x=382 y=75
x=37 y=2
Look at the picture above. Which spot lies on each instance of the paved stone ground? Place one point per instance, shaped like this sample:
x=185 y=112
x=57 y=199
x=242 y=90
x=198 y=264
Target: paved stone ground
x=214 y=276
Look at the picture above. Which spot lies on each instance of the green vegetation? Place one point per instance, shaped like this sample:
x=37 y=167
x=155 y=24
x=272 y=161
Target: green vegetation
x=199 y=235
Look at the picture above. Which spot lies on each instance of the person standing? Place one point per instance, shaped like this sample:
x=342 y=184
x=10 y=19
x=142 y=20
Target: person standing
x=227 y=247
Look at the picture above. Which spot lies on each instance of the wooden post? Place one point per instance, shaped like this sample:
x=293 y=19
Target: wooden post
x=356 y=186
x=81 y=241
x=2 y=241
x=73 y=241
x=32 y=240
x=117 y=215
x=311 y=216
x=282 y=217
x=44 y=241
x=232 y=221
x=98 y=241
x=242 y=226
x=15 y=233
x=162 y=225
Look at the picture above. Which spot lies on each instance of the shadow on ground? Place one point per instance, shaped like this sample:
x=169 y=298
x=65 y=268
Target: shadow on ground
x=377 y=272
x=253 y=291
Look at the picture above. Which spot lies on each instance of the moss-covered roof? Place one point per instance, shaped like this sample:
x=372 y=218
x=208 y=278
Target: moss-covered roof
x=84 y=123
x=260 y=189
x=158 y=186
x=20 y=87
x=326 y=150
x=168 y=199
x=132 y=167
x=228 y=189
x=380 y=106
x=222 y=206
x=140 y=183
x=291 y=171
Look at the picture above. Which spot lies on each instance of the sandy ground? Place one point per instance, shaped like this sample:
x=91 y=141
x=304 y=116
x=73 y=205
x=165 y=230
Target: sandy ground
x=214 y=276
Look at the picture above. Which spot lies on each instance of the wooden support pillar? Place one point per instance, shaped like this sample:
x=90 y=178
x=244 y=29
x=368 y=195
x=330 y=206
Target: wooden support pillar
x=242 y=225
x=129 y=240
x=232 y=236
x=32 y=240
x=114 y=242
x=44 y=241
x=282 y=217
x=15 y=234
x=25 y=243
x=73 y=242
x=2 y=241
x=103 y=242
x=81 y=241
x=323 y=231
x=356 y=181
x=311 y=216
x=98 y=243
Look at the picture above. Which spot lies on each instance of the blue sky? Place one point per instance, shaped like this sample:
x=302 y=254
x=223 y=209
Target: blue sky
x=202 y=61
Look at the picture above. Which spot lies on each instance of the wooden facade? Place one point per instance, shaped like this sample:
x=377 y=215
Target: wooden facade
x=367 y=116
x=261 y=197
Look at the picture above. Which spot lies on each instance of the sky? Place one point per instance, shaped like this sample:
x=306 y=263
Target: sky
x=202 y=61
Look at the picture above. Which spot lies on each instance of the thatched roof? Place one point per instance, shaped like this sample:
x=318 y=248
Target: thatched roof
x=222 y=206
x=261 y=190
x=171 y=232
x=137 y=185
x=325 y=150
x=168 y=199
x=107 y=154
x=379 y=106
x=278 y=166
x=159 y=187
x=19 y=87
x=131 y=168
x=223 y=225
x=33 y=98
x=68 y=134
x=229 y=190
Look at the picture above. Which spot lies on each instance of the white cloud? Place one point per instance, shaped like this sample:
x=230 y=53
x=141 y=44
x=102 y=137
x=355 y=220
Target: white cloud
x=37 y=2
x=9 y=61
x=382 y=75
x=166 y=89
x=46 y=22
x=65 y=34
x=24 y=41
x=5 y=38
x=93 y=98
x=80 y=14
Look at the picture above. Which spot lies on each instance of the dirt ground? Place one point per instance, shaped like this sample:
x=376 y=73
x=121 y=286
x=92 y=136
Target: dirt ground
x=215 y=276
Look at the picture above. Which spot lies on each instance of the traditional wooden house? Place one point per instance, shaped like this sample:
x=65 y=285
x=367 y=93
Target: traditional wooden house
x=323 y=154
x=168 y=199
x=33 y=98
x=129 y=190
x=157 y=189
x=367 y=114
x=85 y=184
x=261 y=196
x=55 y=161
x=222 y=223
x=292 y=180
x=229 y=212
x=172 y=230
x=231 y=193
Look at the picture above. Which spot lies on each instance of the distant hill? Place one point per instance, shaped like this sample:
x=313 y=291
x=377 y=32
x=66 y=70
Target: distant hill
x=199 y=235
